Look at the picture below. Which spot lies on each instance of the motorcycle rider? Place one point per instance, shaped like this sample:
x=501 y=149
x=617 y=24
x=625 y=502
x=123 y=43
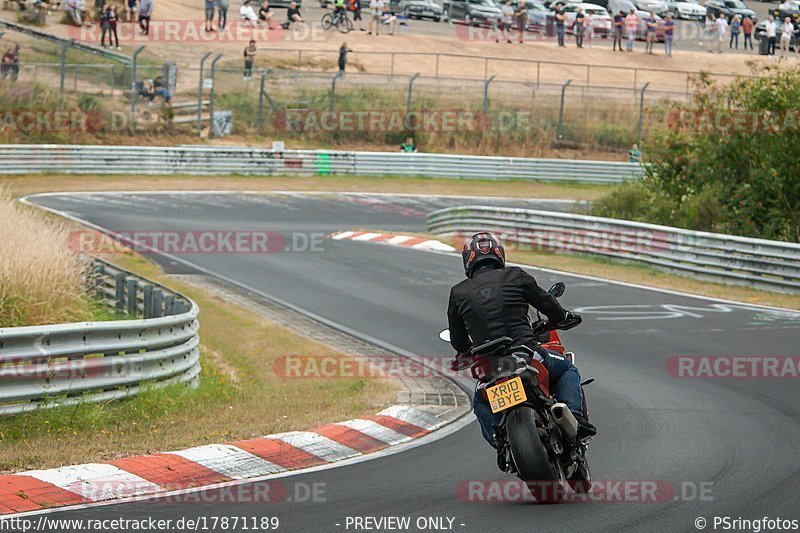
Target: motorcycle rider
x=493 y=302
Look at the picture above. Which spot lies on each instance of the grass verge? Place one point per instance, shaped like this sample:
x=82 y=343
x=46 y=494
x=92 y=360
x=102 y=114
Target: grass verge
x=239 y=396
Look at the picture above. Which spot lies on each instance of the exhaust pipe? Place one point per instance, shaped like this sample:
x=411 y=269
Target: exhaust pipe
x=565 y=420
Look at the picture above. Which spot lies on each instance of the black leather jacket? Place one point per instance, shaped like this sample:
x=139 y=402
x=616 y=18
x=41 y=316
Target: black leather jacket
x=494 y=303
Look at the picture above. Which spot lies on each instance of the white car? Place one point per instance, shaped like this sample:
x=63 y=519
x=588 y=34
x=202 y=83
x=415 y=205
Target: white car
x=659 y=7
x=601 y=20
x=687 y=9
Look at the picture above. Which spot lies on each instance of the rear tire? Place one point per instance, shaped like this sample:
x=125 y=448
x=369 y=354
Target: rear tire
x=531 y=458
x=327 y=21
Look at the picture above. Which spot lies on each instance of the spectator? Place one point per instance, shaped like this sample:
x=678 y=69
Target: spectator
x=722 y=31
x=560 y=18
x=631 y=25
x=634 y=155
x=747 y=30
x=588 y=28
x=669 y=35
x=130 y=10
x=110 y=20
x=375 y=19
x=505 y=22
x=247 y=13
x=521 y=17
x=99 y=10
x=211 y=7
x=343 y=56
x=265 y=14
x=10 y=63
x=578 y=28
x=617 y=30
x=710 y=28
x=145 y=12
x=293 y=14
x=355 y=7
x=408 y=146
x=222 y=13
x=160 y=89
x=771 y=30
x=736 y=25
x=389 y=18
x=786 y=37
x=75 y=9
x=249 y=58
x=651 y=25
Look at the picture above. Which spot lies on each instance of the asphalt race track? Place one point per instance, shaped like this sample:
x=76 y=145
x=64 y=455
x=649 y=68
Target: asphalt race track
x=736 y=438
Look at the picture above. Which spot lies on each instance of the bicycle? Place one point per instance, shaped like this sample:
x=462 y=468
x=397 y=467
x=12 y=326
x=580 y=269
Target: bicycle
x=338 y=20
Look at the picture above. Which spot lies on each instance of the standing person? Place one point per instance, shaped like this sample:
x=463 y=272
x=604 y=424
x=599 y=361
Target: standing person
x=211 y=8
x=505 y=22
x=710 y=28
x=736 y=25
x=634 y=155
x=578 y=28
x=652 y=24
x=130 y=10
x=631 y=25
x=10 y=63
x=722 y=31
x=145 y=12
x=521 y=17
x=222 y=13
x=355 y=7
x=747 y=30
x=249 y=58
x=104 y=27
x=588 y=28
x=375 y=17
x=617 y=29
x=343 y=57
x=669 y=35
x=786 y=37
x=560 y=18
x=408 y=146
x=111 y=18
x=771 y=29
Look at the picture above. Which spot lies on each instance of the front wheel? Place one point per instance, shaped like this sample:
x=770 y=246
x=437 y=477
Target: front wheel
x=345 y=25
x=326 y=21
x=531 y=458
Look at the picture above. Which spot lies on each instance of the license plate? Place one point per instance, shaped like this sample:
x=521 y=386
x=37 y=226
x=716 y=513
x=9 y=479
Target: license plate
x=506 y=394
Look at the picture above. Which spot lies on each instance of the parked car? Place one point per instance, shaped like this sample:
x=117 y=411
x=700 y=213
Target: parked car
x=615 y=6
x=537 y=13
x=729 y=8
x=686 y=9
x=601 y=20
x=659 y=7
x=476 y=12
x=417 y=9
x=789 y=9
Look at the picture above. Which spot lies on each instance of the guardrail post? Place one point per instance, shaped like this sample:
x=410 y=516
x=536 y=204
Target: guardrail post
x=158 y=303
x=119 y=286
x=169 y=305
x=131 y=289
x=333 y=87
x=97 y=281
x=64 y=47
x=200 y=94
x=560 y=131
x=410 y=89
x=134 y=93
x=147 y=308
x=211 y=97
x=641 y=111
x=486 y=97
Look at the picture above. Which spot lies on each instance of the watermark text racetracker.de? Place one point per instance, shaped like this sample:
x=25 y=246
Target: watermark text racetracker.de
x=734 y=366
x=207 y=241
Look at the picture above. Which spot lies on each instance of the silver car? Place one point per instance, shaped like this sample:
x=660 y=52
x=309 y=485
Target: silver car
x=686 y=9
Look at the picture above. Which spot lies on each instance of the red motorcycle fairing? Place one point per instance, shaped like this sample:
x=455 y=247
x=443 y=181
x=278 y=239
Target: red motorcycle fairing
x=554 y=344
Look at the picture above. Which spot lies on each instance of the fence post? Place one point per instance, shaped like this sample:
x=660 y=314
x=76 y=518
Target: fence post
x=391 y=68
x=333 y=86
x=437 y=66
x=560 y=131
x=641 y=111
x=158 y=302
x=169 y=305
x=63 y=74
x=538 y=74
x=132 y=286
x=119 y=288
x=410 y=89
x=486 y=97
x=200 y=95
x=147 y=296
x=211 y=97
x=260 y=121
x=588 y=67
x=134 y=94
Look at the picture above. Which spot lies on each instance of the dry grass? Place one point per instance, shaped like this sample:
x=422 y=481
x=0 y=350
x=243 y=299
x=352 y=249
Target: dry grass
x=41 y=282
x=239 y=397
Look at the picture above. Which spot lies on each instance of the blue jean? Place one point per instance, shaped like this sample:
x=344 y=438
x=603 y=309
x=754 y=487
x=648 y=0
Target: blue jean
x=560 y=35
x=668 y=45
x=565 y=385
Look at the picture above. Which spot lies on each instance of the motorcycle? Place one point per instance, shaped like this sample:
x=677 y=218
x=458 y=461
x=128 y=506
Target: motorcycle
x=537 y=434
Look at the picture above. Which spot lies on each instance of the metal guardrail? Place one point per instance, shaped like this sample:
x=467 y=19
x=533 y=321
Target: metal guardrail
x=62 y=364
x=82 y=159
x=764 y=264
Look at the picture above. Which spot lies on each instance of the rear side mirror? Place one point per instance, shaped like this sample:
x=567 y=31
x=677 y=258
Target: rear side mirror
x=445 y=335
x=557 y=289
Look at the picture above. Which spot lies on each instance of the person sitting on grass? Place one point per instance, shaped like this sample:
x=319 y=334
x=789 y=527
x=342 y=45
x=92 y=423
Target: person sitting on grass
x=264 y=13
x=293 y=14
x=248 y=14
x=389 y=18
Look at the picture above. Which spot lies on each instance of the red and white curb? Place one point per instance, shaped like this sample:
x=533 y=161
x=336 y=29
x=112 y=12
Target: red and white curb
x=213 y=463
x=417 y=243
